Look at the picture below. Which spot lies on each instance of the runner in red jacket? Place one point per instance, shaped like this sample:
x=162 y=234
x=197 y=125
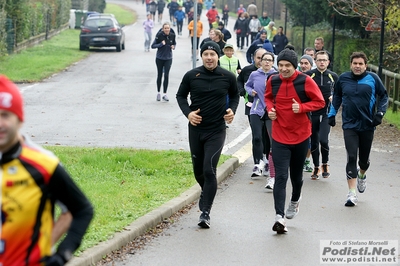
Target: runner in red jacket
x=289 y=97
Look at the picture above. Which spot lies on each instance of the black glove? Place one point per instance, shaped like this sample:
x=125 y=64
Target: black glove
x=377 y=119
x=55 y=260
x=332 y=121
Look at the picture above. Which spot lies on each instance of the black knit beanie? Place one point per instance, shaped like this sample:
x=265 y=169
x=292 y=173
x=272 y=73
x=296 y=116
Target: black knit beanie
x=288 y=55
x=210 y=46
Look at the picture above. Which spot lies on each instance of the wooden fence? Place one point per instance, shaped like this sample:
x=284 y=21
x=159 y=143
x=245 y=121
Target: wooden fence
x=392 y=83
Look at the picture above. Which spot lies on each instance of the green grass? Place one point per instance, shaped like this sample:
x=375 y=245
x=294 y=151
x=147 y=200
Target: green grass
x=393 y=118
x=123 y=14
x=52 y=56
x=124 y=184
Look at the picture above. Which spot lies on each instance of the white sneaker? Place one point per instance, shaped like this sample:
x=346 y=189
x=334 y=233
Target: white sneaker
x=279 y=225
x=352 y=200
x=361 y=183
x=256 y=171
x=293 y=209
x=270 y=184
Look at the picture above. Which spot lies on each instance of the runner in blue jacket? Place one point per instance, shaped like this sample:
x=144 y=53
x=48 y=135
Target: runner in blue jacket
x=364 y=101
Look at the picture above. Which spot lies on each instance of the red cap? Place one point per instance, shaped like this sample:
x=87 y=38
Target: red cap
x=11 y=98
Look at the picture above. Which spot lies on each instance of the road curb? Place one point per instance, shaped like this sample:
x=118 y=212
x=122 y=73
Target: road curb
x=94 y=254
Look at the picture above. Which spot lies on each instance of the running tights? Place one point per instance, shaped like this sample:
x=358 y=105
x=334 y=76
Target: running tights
x=206 y=148
x=361 y=142
x=163 y=66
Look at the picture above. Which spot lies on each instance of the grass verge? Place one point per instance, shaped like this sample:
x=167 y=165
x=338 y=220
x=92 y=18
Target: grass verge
x=393 y=118
x=52 y=56
x=124 y=184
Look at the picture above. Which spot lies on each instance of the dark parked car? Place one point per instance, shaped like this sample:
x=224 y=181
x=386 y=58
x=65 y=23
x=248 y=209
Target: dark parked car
x=101 y=30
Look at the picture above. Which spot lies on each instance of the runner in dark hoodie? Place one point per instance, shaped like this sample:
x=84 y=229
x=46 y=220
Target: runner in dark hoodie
x=165 y=43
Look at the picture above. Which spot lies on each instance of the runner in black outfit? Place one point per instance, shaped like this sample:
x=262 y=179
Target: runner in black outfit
x=320 y=128
x=208 y=86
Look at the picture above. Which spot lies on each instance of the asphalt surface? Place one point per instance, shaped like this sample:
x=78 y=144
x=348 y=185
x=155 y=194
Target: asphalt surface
x=109 y=100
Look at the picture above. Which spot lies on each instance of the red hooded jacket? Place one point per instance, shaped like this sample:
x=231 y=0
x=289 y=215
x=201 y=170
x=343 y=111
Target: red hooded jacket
x=290 y=127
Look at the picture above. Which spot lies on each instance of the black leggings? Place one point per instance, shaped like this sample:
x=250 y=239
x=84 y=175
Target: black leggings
x=206 y=148
x=239 y=41
x=288 y=157
x=260 y=138
x=357 y=142
x=179 y=26
x=163 y=66
x=320 y=135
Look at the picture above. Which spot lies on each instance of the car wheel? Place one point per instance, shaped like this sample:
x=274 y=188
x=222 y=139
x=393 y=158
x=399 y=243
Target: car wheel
x=82 y=47
x=119 y=47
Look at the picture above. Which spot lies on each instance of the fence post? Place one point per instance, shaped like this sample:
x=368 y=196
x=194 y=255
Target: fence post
x=396 y=92
x=10 y=36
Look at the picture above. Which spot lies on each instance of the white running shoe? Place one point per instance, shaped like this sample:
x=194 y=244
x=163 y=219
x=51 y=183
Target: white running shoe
x=293 y=209
x=270 y=184
x=352 y=200
x=256 y=171
x=279 y=225
x=361 y=183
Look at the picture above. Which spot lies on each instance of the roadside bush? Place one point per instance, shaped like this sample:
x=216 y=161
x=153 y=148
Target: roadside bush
x=31 y=18
x=97 y=5
x=345 y=44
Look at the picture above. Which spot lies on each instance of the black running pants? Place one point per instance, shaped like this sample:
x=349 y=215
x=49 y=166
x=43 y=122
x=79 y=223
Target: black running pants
x=288 y=158
x=163 y=66
x=320 y=136
x=357 y=142
x=206 y=148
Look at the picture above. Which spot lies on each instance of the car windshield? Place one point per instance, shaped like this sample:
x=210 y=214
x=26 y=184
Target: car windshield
x=99 y=23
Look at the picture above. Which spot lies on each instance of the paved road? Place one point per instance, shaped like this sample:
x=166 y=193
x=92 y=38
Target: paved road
x=109 y=100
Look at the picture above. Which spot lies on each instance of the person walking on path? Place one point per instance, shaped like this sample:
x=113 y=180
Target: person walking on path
x=225 y=15
x=364 y=102
x=208 y=86
x=179 y=17
x=264 y=19
x=199 y=33
x=211 y=16
x=258 y=43
x=279 y=41
x=224 y=31
x=240 y=10
x=230 y=62
x=160 y=9
x=241 y=29
x=148 y=26
x=33 y=179
x=319 y=46
x=152 y=9
x=208 y=4
x=164 y=43
x=254 y=27
x=289 y=97
x=255 y=86
x=173 y=7
x=252 y=9
x=320 y=128
x=271 y=30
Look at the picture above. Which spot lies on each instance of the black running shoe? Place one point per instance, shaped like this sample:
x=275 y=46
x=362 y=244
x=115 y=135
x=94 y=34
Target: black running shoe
x=204 y=220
